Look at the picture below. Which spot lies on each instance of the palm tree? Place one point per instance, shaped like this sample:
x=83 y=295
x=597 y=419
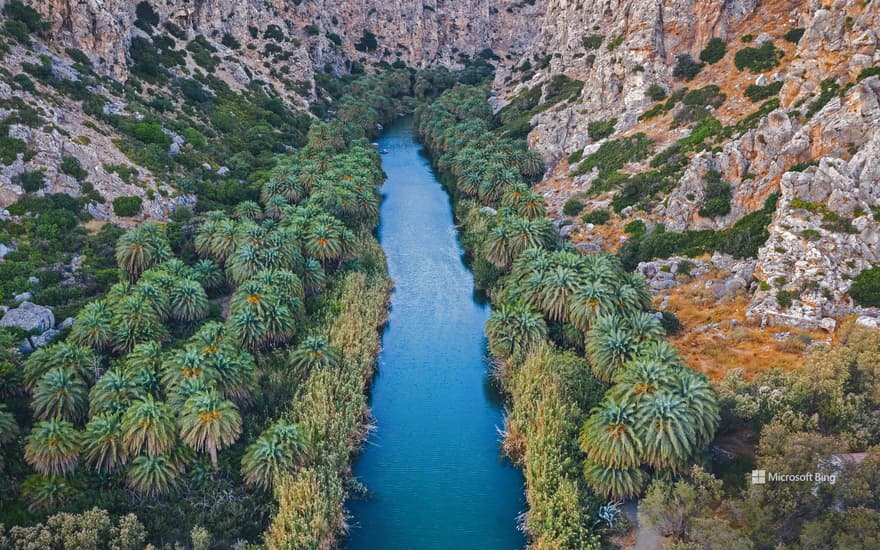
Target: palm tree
x=314 y=353
x=276 y=451
x=45 y=493
x=151 y=475
x=588 y=302
x=184 y=389
x=248 y=209
x=557 y=289
x=640 y=378
x=60 y=394
x=135 y=321
x=182 y=364
x=232 y=374
x=53 y=447
x=660 y=351
x=609 y=437
x=324 y=242
x=668 y=430
x=531 y=206
x=103 y=448
x=613 y=483
x=148 y=425
x=313 y=276
x=142 y=248
x=514 y=330
x=8 y=425
x=609 y=345
x=92 y=327
x=188 y=301
x=72 y=359
x=248 y=329
x=243 y=264
x=155 y=294
x=114 y=392
x=498 y=249
x=207 y=274
x=209 y=423
x=643 y=326
x=696 y=391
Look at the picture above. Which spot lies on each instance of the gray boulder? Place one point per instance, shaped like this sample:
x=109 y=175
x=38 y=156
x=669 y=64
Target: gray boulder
x=23 y=297
x=29 y=316
x=33 y=343
x=67 y=323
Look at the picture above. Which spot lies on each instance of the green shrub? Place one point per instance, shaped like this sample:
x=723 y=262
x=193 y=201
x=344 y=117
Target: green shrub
x=758 y=60
x=31 y=182
x=572 y=207
x=794 y=35
x=71 y=167
x=335 y=38
x=127 y=206
x=759 y=93
x=596 y=217
x=10 y=147
x=146 y=14
x=707 y=96
x=601 y=129
x=575 y=156
x=561 y=88
x=830 y=88
x=19 y=31
x=785 y=298
x=615 y=42
x=592 y=41
x=230 y=42
x=714 y=51
x=869 y=72
x=865 y=289
x=367 y=43
x=615 y=154
x=747 y=38
x=717 y=197
x=686 y=68
x=656 y=92
x=635 y=228
x=670 y=323
x=150 y=133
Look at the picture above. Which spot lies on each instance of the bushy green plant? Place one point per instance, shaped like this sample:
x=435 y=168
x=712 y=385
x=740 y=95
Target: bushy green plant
x=601 y=129
x=592 y=41
x=714 y=51
x=794 y=35
x=572 y=207
x=686 y=68
x=865 y=289
x=717 y=196
x=656 y=92
x=758 y=60
x=127 y=206
x=70 y=165
x=758 y=93
x=32 y=181
x=596 y=217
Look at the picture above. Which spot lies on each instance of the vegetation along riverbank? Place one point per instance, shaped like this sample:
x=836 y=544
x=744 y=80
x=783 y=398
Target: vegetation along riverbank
x=600 y=403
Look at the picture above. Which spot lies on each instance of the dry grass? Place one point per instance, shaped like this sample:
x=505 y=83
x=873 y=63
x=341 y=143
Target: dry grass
x=735 y=343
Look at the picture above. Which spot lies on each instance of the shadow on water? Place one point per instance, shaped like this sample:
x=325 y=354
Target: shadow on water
x=433 y=466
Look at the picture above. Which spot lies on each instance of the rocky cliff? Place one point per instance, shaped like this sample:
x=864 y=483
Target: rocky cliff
x=804 y=125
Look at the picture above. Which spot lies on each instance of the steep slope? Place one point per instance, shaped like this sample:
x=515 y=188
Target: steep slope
x=785 y=102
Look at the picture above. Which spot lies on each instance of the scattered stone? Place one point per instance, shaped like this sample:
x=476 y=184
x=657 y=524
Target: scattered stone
x=867 y=322
x=4 y=250
x=488 y=210
x=223 y=171
x=34 y=280
x=33 y=343
x=29 y=316
x=67 y=323
x=23 y=297
x=828 y=324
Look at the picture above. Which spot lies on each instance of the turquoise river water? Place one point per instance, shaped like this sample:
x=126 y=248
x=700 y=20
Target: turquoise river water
x=433 y=467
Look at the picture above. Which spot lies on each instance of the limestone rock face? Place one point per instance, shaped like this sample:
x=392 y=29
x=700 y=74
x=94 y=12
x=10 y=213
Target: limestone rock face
x=29 y=316
x=639 y=44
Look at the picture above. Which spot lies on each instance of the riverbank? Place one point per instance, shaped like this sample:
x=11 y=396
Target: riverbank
x=599 y=401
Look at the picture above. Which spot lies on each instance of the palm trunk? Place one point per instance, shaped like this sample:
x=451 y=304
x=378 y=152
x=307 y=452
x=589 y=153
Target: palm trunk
x=212 y=452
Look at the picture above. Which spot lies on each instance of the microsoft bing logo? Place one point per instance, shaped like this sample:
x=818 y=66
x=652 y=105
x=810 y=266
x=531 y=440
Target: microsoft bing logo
x=759 y=477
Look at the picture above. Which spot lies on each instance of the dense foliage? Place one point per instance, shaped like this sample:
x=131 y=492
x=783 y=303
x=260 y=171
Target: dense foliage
x=564 y=326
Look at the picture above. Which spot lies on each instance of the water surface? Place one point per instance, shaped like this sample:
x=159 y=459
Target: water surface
x=433 y=466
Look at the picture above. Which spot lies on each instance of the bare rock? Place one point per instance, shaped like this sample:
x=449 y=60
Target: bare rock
x=29 y=316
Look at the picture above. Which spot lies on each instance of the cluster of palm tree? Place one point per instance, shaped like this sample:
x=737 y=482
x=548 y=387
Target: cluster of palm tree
x=145 y=414
x=134 y=313
x=657 y=413
x=457 y=130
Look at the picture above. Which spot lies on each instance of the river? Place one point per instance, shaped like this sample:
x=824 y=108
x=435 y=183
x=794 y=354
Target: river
x=433 y=467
